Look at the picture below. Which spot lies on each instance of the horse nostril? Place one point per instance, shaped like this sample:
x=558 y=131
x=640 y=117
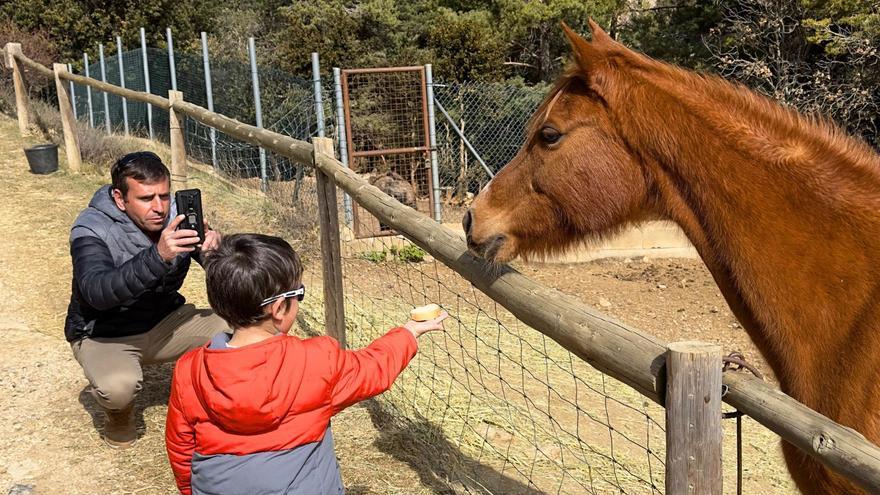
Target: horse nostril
x=466 y=223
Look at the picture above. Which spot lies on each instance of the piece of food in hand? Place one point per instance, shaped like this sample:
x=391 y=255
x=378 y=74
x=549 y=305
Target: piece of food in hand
x=425 y=313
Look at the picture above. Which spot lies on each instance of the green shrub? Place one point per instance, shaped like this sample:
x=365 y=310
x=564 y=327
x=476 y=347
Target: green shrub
x=409 y=254
x=375 y=256
x=405 y=254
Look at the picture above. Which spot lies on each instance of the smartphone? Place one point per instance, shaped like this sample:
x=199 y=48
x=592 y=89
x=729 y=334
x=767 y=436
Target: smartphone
x=189 y=204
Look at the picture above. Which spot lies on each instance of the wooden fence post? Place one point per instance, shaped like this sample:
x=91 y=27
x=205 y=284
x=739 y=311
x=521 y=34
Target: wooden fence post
x=334 y=308
x=13 y=49
x=693 y=418
x=68 y=122
x=178 y=149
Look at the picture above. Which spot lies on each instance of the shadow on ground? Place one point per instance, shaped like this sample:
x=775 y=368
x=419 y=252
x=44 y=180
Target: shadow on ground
x=157 y=388
x=440 y=465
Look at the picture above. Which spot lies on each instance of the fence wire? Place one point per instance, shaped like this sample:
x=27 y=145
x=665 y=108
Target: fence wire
x=388 y=139
x=493 y=405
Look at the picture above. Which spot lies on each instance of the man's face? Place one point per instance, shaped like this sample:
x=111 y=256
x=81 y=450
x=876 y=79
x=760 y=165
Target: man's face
x=146 y=204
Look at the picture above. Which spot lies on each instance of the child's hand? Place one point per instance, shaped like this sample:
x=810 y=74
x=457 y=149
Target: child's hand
x=417 y=328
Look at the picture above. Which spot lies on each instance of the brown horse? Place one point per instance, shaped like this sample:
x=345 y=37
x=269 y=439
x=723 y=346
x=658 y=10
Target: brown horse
x=784 y=211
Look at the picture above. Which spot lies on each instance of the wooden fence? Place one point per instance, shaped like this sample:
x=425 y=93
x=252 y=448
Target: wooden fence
x=625 y=353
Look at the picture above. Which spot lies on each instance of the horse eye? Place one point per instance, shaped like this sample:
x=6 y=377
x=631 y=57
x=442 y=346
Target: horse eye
x=550 y=135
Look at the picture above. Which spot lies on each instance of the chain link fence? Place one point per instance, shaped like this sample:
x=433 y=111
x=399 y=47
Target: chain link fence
x=479 y=126
x=492 y=117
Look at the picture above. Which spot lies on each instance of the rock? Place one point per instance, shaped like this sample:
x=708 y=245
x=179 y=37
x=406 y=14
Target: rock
x=551 y=452
x=392 y=184
x=605 y=303
x=661 y=286
x=497 y=436
x=21 y=490
x=714 y=309
x=23 y=468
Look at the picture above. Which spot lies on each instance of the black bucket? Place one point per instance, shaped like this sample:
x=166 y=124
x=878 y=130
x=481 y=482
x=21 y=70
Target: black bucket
x=42 y=159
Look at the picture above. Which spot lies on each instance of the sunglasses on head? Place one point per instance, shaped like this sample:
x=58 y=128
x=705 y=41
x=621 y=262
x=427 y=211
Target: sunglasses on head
x=299 y=294
x=130 y=158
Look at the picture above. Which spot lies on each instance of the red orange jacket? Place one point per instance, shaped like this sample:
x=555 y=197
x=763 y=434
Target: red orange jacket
x=271 y=396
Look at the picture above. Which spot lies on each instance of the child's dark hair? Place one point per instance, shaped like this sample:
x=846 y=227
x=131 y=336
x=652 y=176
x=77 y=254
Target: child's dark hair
x=246 y=269
x=142 y=166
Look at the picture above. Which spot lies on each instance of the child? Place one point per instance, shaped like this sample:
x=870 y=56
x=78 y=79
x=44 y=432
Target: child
x=249 y=413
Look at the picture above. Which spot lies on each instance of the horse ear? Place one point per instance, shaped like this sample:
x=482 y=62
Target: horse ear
x=599 y=34
x=585 y=54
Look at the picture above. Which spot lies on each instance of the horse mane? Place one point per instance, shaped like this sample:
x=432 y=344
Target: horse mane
x=820 y=130
x=701 y=89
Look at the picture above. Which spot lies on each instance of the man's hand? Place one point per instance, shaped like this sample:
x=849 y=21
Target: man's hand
x=212 y=238
x=173 y=242
x=418 y=328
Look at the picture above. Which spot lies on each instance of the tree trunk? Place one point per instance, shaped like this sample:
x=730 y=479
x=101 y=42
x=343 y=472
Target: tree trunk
x=544 y=60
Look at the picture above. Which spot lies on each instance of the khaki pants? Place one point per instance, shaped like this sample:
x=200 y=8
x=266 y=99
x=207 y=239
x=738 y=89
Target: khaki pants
x=113 y=365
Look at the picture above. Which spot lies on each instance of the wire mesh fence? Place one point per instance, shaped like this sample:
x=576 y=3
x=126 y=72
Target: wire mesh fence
x=496 y=406
x=90 y=101
x=387 y=138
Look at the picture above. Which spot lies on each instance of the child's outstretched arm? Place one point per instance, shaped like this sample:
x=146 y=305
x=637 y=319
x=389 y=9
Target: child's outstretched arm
x=370 y=371
x=179 y=440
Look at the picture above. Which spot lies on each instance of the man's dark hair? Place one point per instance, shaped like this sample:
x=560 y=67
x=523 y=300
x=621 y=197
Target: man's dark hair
x=246 y=269
x=142 y=166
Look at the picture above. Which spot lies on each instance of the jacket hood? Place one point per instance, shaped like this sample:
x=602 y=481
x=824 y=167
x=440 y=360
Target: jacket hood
x=251 y=389
x=103 y=202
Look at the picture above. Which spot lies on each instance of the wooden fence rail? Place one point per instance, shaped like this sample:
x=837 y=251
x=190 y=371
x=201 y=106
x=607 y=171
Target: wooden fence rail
x=625 y=353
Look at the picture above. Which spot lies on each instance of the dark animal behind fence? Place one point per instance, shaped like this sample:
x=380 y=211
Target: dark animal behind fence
x=392 y=184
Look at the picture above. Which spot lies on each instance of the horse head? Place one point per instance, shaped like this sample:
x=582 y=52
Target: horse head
x=575 y=177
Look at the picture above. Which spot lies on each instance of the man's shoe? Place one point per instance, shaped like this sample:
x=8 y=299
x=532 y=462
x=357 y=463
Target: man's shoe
x=119 y=429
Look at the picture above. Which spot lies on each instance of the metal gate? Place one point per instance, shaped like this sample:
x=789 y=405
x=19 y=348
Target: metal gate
x=387 y=133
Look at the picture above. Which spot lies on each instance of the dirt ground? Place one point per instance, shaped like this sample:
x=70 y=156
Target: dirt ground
x=50 y=422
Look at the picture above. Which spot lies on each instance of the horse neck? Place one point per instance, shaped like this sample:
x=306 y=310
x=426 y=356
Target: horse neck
x=784 y=213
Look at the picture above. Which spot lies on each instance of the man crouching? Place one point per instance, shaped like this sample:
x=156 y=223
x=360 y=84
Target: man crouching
x=125 y=309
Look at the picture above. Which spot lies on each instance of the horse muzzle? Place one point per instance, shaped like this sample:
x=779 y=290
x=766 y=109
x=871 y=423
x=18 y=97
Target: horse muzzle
x=487 y=249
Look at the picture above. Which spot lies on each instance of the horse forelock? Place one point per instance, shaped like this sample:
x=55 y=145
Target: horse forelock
x=539 y=118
